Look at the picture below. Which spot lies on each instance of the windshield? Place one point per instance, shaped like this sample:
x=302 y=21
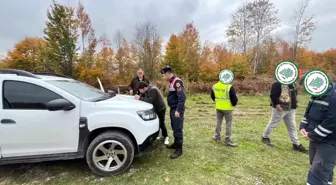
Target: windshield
x=79 y=89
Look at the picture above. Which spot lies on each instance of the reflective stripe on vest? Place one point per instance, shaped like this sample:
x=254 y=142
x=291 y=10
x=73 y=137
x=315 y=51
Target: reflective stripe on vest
x=171 y=86
x=222 y=96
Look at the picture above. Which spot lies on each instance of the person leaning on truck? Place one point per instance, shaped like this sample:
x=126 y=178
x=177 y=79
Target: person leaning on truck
x=134 y=85
x=151 y=94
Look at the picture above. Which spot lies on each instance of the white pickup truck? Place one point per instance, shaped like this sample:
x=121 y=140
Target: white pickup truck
x=47 y=116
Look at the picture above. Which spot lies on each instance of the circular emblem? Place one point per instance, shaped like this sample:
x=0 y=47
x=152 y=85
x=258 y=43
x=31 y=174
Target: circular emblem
x=286 y=72
x=316 y=82
x=226 y=76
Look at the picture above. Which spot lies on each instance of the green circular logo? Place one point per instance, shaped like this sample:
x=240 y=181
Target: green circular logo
x=286 y=72
x=316 y=82
x=226 y=76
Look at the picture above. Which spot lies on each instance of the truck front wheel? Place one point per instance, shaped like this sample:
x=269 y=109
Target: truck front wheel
x=110 y=153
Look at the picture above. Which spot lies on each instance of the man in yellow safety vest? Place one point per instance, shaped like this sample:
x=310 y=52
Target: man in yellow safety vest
x=225 y=97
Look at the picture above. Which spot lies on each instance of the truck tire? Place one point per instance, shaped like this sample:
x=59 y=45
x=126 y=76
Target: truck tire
x=110 y=153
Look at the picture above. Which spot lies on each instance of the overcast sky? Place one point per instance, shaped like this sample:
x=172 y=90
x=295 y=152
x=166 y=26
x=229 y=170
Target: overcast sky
x=26 y=18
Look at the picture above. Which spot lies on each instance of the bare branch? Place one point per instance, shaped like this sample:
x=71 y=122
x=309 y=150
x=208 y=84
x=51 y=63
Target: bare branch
x=147 y=44
x=264 y=20
x=118 y=39
x=304 y=28
x=239 y=30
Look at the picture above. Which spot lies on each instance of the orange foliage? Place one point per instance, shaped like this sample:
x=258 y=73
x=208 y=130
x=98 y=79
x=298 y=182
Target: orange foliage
x=26 y=55
x=223 y=57
x=329 y=58
x=184 y=53
x=284 y=50
x=189 y=47
x=90 y=75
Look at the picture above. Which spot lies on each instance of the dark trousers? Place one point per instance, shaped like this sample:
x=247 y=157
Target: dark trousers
x=177 y=126
x=323 y=161
x=163 y=128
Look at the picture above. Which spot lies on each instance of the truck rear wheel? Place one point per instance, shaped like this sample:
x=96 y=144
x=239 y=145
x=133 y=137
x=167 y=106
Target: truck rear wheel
x=110 y=153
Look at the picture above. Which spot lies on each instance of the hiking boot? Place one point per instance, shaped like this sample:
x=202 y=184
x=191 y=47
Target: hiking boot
x=216 y=138
x=176 y=154
x=300 y=148
x=267 y=141
x=230 y=143
x=172 y=146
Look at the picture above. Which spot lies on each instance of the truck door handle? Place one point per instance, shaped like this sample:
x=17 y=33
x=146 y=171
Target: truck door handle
x=7 y=121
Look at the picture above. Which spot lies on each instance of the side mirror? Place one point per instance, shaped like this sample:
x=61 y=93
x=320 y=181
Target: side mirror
x=60 y=104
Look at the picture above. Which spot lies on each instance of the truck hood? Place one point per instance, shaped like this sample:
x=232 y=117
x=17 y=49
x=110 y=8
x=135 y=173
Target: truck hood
x=124 y=101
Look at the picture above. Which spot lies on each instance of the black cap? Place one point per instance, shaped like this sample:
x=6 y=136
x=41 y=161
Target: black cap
x=143 y=84
x=166 y=69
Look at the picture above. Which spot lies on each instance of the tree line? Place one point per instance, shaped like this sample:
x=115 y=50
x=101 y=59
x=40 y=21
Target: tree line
x=71 y=47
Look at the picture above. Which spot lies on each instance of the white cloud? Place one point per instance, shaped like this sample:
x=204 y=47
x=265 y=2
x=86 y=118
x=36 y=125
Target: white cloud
x=211 y=17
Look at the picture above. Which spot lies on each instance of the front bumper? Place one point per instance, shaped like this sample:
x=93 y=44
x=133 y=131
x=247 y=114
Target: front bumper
x=148 y=142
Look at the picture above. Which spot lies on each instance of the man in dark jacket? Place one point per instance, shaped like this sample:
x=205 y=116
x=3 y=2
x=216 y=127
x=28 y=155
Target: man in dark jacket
x=284 y=103
x=176 y=101
x=152 y=95
x=134 y=85
x=319 y=126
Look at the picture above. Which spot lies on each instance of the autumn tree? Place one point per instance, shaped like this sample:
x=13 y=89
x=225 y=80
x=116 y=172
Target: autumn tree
x=284 y=50
x=126 y=61
x=222 y=56
x=208 y=68
x=118 y=39
x=304 y=28
x=241 y=67
x=190 y=51
x=172 y=57
x=329 y=58
x=26 y=55
x=105 y=58
x=240 y=28
x=148 y=48
x=121 y=45
x=61 y=38
x=88 y=38
x=264 y=20
x=268 y=56
x=305 y=59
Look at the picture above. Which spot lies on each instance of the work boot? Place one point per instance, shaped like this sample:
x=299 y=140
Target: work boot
x=228 y=142
x=172 y=146
x=216 y=138
x=178 y=152
x=300 y=148
x=267 y=141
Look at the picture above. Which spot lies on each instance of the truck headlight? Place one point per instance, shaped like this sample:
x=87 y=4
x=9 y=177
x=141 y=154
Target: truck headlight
x=147 y=114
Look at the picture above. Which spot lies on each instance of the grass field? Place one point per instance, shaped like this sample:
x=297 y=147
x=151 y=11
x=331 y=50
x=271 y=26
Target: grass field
x=204 y=161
